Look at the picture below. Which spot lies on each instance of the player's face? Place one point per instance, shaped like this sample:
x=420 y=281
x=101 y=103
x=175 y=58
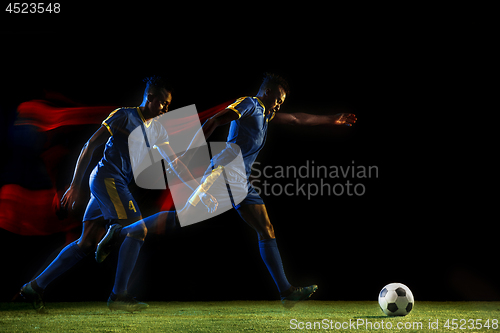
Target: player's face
x=159 y=102
x=276 y=99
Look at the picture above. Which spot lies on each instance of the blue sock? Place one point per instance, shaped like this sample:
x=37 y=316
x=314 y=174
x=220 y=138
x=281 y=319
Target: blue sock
x=129 y=251
x=271 y=256
x=66 y=259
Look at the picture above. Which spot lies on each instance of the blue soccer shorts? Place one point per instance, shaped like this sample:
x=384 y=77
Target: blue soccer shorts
x=110 y=198
x=252 y=198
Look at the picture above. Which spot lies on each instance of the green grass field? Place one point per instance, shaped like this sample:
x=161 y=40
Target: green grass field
x=251 y=316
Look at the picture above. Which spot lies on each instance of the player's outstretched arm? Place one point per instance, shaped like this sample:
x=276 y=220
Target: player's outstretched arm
x=71 y=195
x=306 y=119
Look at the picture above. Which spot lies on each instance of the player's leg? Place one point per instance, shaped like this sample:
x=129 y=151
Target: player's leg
x=127 y=257
x=66 y=259
x=135 y=234
x=256 y=216
x=91 y=233
x=139 y=229
x=118 y=205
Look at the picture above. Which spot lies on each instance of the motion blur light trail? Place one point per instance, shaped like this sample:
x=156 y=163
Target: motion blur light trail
x=47 y=116
x=33 y=212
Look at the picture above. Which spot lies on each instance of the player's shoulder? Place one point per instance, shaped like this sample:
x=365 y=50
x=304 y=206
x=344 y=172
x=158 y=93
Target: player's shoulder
x=250 y=100
x=242 y=100
x=258 y=102
x=127 y=109
x=120 y=115
x=254 y=102
x=122 y=111
x=245 y=103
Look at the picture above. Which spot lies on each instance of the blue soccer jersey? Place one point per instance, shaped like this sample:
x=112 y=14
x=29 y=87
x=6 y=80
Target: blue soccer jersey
x=116 y=161
x=249 y=131
x=110 y=196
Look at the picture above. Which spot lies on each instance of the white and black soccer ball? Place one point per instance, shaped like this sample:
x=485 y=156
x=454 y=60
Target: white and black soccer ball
x=396 y=299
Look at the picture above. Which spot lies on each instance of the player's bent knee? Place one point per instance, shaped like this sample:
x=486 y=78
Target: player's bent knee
x=139 y=233
x=267 y=232
x=270 y=230
x=87 y=246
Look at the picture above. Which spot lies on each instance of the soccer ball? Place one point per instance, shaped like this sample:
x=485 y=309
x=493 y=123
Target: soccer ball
x=396 y=299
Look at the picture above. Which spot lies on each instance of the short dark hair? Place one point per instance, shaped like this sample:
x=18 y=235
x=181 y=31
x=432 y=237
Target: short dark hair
x=156 y=82
x=271 y=81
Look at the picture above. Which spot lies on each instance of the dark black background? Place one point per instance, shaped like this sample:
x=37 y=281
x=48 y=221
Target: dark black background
x=420 y=222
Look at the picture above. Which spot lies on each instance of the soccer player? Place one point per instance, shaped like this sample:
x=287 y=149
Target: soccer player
x=111 y=201
x=249 y=118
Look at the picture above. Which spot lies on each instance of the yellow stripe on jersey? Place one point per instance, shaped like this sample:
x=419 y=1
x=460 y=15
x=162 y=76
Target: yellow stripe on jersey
x=106 y=124
x=115 y=198
x=109 y=128
x=233 y=106
x=262 y=104
x=147 y=123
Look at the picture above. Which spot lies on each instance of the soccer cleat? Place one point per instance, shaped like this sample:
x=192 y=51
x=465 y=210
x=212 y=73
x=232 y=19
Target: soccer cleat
x=125 y=302
x=297 y=294
x=33 y=293
x=105 y=246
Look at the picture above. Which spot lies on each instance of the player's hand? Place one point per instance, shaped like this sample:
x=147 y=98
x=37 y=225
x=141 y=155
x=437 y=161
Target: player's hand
x=209 y=201
x=346 y=119
x=70 y=198
x=174 y=164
